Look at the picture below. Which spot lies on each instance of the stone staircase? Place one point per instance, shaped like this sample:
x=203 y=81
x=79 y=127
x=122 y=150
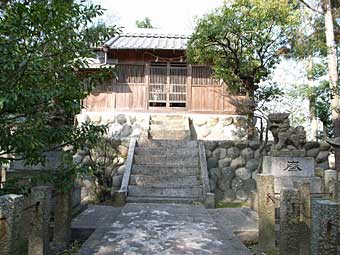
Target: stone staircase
x=166 y=171
x=169 y=127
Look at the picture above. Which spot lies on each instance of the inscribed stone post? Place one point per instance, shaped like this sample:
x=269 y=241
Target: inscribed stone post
x=328 y=176
x=305 y=216
x=38 y=238
x=266 y=211
x=324 y=227
x=11 y=207
x=289 y=221
x=62 y=220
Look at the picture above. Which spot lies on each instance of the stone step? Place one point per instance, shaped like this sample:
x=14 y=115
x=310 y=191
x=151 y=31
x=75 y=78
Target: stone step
x=165 y=122
x=138 y=191
x=175 y=170
x=169 y=134
x=164 y=200
x=165 y=159
x=161 y=181
x=168 y=127
x=166 y=151
x=168 y=143
x=167 y=117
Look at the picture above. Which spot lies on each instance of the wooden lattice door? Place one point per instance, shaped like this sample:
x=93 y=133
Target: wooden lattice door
x=178 y=85
x=168 y=85
x=158 y=85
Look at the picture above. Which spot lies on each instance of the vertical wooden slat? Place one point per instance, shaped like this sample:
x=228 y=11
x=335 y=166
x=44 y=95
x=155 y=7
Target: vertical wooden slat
x=147 y=84
x=167 y=84
x=189 y=82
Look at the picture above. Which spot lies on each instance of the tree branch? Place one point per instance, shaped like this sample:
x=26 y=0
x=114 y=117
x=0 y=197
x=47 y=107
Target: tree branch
x=310 y=7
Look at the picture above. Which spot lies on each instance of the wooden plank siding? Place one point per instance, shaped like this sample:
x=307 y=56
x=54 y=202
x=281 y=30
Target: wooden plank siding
x=136 y=86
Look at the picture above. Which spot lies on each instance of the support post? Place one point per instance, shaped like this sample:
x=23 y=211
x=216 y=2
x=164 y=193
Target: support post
x=38 y=238
x=289 y=221
x=324 y=227
x=266 y=208
x=11 y=207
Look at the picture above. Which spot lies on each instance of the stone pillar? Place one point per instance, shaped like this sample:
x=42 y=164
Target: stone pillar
x=38 y=238
x=289 y=221
x=324 y=227
x=11 y=207
x=305 y=216
x=266 y=211
x=328 y=176
x=62 y=220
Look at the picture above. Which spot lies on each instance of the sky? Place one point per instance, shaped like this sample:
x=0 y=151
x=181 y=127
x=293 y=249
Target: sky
x=173 y=15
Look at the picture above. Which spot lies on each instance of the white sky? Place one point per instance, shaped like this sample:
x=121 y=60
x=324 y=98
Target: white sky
x=173 y=15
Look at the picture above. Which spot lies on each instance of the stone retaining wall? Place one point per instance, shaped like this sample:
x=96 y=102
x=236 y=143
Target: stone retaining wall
x=121 y=126
x=233 y=166
x=202 y=127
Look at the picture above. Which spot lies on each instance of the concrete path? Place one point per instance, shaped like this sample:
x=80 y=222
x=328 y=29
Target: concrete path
x=152 y=229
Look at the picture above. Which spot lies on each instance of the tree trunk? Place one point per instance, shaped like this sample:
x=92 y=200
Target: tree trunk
x=324 y=131
x=333 y=74
x=311 y=98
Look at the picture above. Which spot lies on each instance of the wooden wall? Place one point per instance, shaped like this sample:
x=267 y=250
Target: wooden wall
x=131 y=93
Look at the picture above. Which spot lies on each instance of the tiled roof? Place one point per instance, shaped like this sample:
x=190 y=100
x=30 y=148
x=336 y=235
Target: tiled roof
x=148 y=39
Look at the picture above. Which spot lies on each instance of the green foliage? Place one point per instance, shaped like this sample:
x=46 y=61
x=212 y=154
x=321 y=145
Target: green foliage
x=43 y=46
x=73 y=250
x=103 y=160
x=145 y=23
x=243 y=40
x=230 y=205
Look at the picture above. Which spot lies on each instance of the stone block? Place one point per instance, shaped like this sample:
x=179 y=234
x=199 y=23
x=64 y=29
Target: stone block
x=62 y=220
x=219 y=153
x=252 y=164
x=38 y=238
x=254 y=144
x=228 y=196
x=212 y=163
x=209 y=200
x=289 y=221
x=322 y=156
x=247 y=154
x=329 y=175
x=237 y=183
x=119 y=198
x=53 y=161
x=311 y=145
x=241 y=195
x=244 y=173
x=289 y=166
x=249 y=185
x=237 y=163
x=313 y=152
x=305 y=216
x=121 y=119
x=288 y=182
x=224 y=162
x=266 y=211
x=233 y=152
x=10 y=214
x=254 y=200
x=325 y=218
